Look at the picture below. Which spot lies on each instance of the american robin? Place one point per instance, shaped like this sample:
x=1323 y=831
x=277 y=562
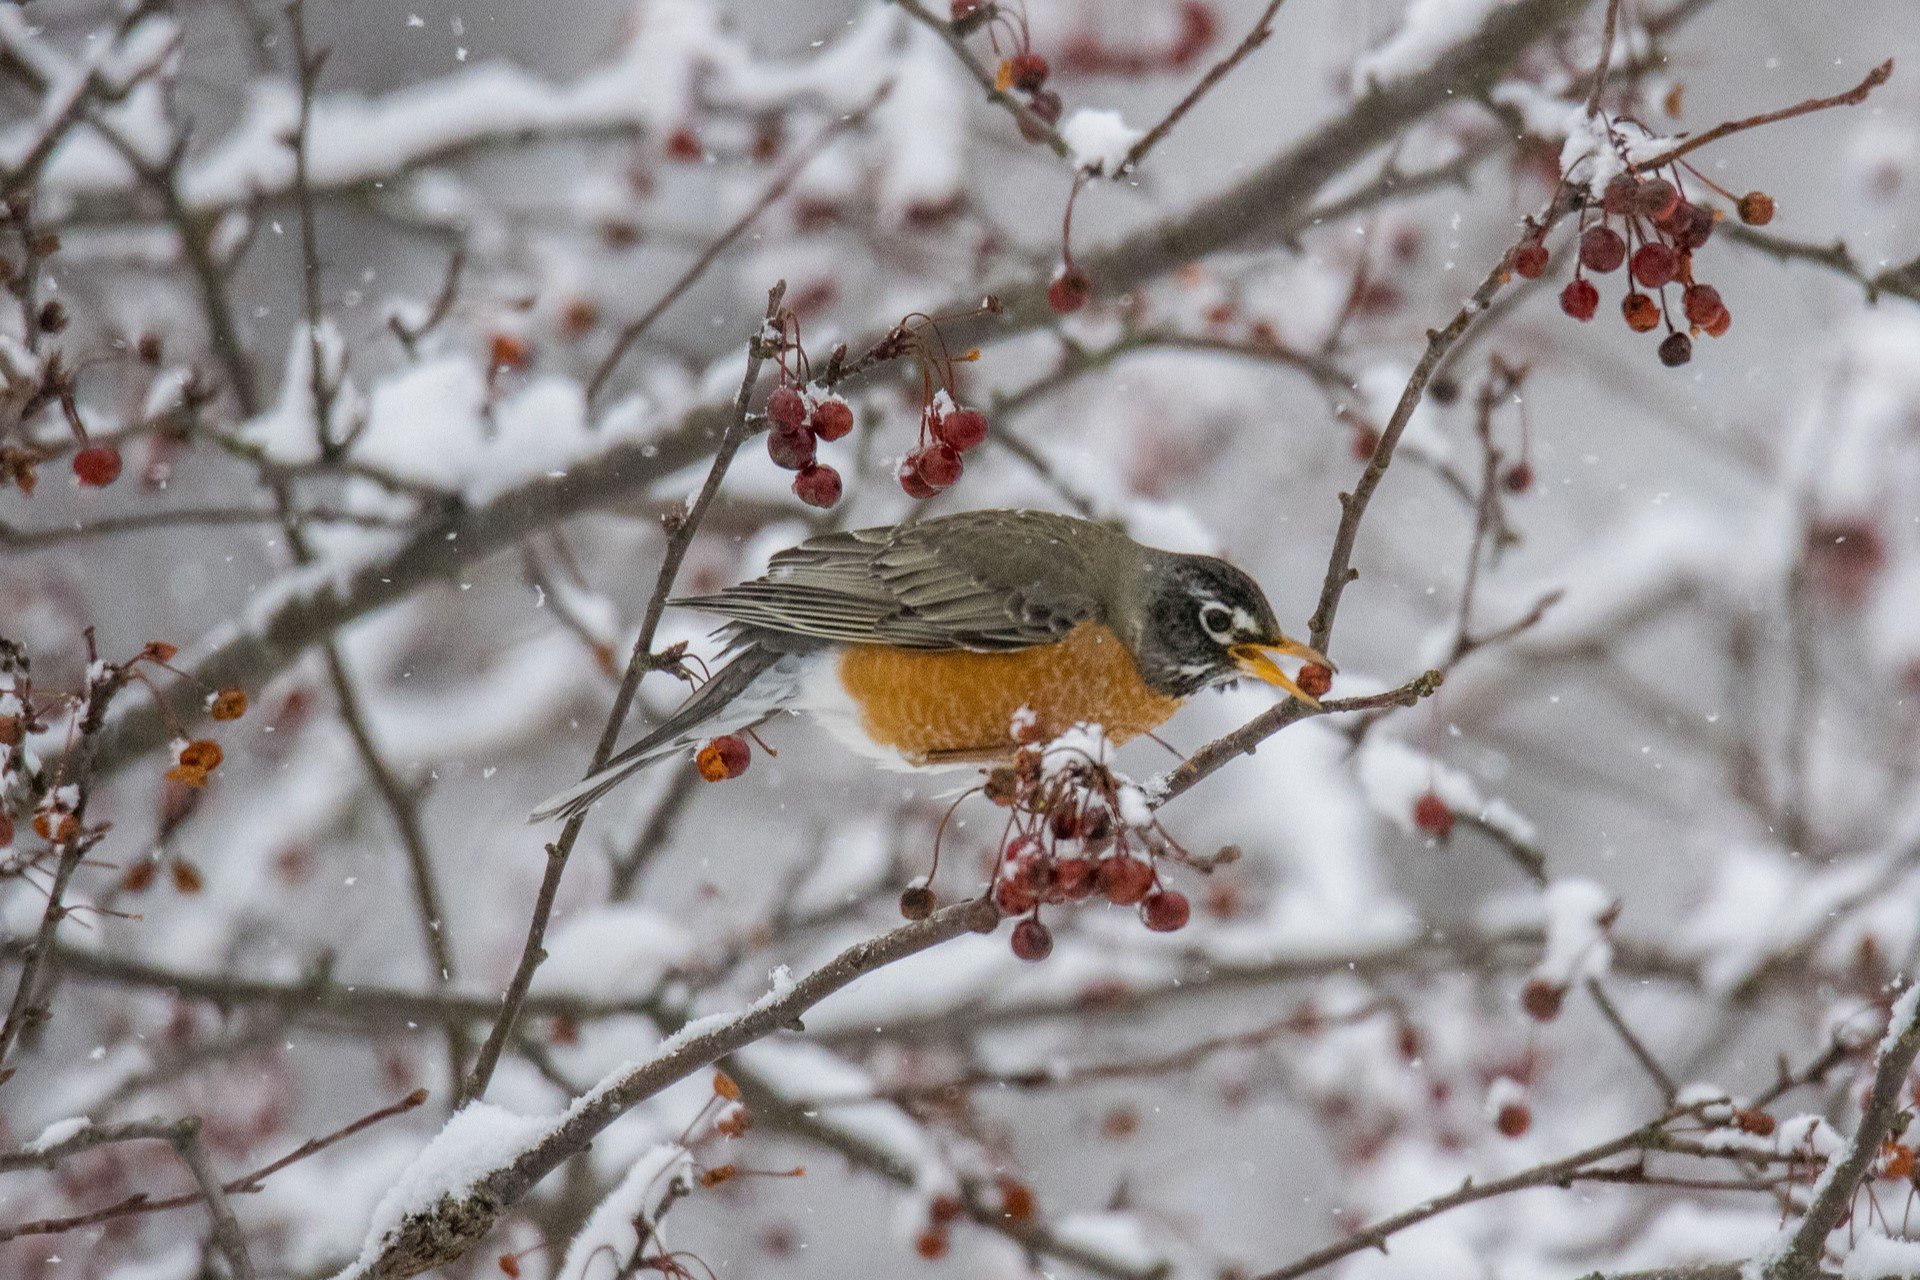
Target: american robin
x=919 y=644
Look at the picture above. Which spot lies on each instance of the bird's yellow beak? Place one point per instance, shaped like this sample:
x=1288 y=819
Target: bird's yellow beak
x=1257 y=661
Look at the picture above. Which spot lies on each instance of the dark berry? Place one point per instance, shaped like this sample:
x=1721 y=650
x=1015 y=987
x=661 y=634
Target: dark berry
x=1124 y=880
x=917 y=902
x=1602 y=249
x=963 y=429
x=1619 y=197
x=1690 y=226
x=97 y=465
x=1580 y=299
x=1641 y=312
x=1047 y=105
x=1514 y=1119
x=1654 y=264
x=1166 y=911
x=1431 y=815
x=817 y=485
x=791 y=448
x=1068 y=293
x=1519 y=477
x=1032 y=941
x=1655 y=198
x=938 y=465
x=832 y=419
x=1676 y=350
x=1542 y=999
x=1756 y=208
x=1530 y=260
x=787 y=408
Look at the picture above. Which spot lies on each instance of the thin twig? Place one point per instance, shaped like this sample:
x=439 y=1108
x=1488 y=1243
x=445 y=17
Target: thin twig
x=1852 y=97
x=1606 y=56
x=1262 y=29
x=1662 y=1081
x=226 y=1227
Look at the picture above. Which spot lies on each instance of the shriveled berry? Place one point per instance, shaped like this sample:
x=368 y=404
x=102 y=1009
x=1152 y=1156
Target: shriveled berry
x=1069 y=292
x=1519 y=477
x=963 y=429
x=1074 y=877
x=228 y=704
x=1580 y=299
x=1756 y=208
x=1314 y=680
x=1123 y=880
x=1542 y=999
x=1032 y=941
x=726 y=756
x=1676 y=350
x=1014 y=896
x=1655 y=198
x=1619 y=196
x=917 y=902
x=1701 y=302
x=1513 y=1119
x=1432 y=815
x=1641 y=312
x=1530 y=260
x=817 y=485
x=791 y=448
x=1753 y=1120
x=832 y=419
x=911 y=482
x=1028 y=71
x=1166 y=911
x=788 y=408
x=1602 y=249
x=97 y=465
x=1654 y=264
x=1690 y=226
x=938 y=464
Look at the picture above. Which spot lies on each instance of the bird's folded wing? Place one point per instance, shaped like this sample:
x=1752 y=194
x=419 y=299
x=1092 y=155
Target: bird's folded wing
x=885 y=586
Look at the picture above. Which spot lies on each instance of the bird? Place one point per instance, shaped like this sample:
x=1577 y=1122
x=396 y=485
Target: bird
x=918 y=645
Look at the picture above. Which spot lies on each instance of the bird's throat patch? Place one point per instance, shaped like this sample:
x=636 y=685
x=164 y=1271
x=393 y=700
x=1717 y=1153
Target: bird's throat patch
x=953 y=704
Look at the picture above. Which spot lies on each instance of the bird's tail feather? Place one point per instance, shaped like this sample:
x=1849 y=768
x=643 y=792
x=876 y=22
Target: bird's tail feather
x=674 y=734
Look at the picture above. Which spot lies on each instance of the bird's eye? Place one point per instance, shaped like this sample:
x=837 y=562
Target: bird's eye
x=1217 y=621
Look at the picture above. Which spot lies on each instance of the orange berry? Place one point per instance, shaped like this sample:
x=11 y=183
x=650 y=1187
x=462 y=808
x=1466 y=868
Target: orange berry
x=228 y=704
x=725 y=757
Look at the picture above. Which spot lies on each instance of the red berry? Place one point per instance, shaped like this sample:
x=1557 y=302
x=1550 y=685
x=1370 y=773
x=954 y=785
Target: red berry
x=1519 y=477
x=1124 y=880
x=931 y=1244
x=726 y=756
x=1028 y=71
x=1431 y=815
x=1690 y=225
x=1014 y=896
x=791 y=448
x=1074 y=877
x=964 y=8
x=962 y=429
x=1542 y=999
x=97 y=465
x=1314 y=680
x=1514 y=1119
x=1641 y=313
x=1580 y=299
x=832 y=419
x=1620 y=193
x=1069 y=292
x=911 y=482
x=1656 y=198
x=938 y=465
x=1530 y=260
x=1602 y=249
x=1165 y=911
x=1654 y=264
x=787 y=408
x=684 y=144
x=817 y=485
x=1756 y=208
x=1365 y=441
x=1718 y=325
x=1676 y=350
x=1702 y=303
x=1032 y=941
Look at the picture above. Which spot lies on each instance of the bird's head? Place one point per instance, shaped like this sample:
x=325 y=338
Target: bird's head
x=1206 y=623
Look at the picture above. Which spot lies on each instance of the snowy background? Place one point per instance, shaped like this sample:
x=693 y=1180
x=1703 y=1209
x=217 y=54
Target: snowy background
x=1705 y=736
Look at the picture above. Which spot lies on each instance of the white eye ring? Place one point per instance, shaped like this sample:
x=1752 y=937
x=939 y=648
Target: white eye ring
x=1217 y=620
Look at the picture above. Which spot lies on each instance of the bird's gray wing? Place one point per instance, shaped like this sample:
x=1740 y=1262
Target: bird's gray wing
x=984 y=581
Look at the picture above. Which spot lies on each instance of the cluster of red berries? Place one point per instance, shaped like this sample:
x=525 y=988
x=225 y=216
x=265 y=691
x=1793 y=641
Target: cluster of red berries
x=947 y=431
x=1066 y=842
x=801 y=418
x=1660 y=230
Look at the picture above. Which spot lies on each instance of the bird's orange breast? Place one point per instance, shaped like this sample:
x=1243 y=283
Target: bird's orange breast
x=949 y=704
